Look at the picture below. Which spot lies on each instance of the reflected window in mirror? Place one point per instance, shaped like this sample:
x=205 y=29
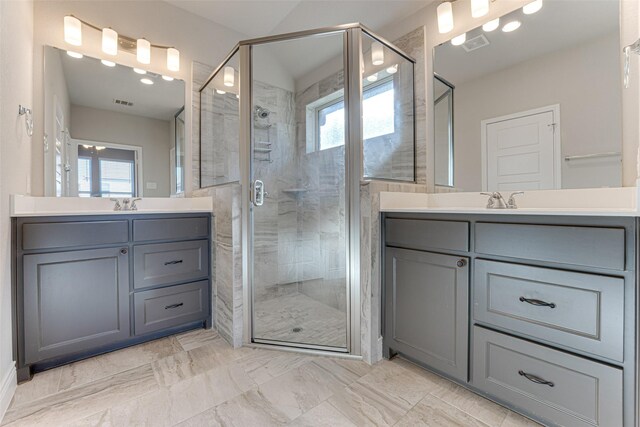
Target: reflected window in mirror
x=121 y=108
x=443 y=131
x=537 y=106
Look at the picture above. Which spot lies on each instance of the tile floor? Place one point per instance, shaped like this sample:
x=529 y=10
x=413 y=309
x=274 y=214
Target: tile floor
x=197 y=379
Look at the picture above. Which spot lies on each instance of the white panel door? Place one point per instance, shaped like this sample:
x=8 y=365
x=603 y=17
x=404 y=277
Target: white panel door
x=521 y=151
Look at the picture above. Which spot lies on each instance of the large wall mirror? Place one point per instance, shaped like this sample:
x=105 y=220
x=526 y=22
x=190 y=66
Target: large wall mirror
x=111 y=130
x=532 y=101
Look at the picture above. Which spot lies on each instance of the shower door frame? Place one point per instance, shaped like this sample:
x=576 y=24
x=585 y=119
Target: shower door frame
x=353 y=154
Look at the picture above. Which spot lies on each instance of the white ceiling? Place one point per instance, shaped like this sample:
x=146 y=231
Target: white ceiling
x=559 y=25
x=91 y=84
x=257 y=18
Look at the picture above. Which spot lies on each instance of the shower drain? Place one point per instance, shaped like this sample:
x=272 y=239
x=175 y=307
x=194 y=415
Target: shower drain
x=297 y=329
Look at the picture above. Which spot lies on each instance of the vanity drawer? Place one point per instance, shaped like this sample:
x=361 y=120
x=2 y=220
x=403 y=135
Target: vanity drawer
x=168 y=263
x=173 y=306
x=72 y=234
x=585 y=246
x=427 y=234
x=558 y=387
x=170 y=229
x=586 y=311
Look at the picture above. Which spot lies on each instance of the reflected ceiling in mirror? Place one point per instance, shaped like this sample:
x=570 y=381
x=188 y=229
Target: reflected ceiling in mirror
x=111 y=129
x=537 y=107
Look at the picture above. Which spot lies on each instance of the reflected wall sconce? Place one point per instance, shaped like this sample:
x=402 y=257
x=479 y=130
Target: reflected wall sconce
x=229 y=76
x=479 y=8
x=112 y=41
x=377 y=53
x=28 y=118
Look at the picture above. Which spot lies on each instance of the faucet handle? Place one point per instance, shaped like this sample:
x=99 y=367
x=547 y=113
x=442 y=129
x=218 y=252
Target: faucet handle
x=134 y=207
x=511 y=203
x=491 y=201
x=117 y=206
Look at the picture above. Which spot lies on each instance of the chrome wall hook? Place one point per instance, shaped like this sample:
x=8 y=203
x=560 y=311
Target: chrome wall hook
x=24 y=111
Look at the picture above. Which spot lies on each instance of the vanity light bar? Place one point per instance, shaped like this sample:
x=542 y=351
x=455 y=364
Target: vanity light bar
x=111 y=40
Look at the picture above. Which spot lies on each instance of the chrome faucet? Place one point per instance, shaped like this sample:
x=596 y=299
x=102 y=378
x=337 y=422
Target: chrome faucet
x=117 y=206
x=496 y=201
x=134 y=207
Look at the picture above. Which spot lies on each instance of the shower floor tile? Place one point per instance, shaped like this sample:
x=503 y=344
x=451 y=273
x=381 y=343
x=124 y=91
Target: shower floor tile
x=300 y=319
x=221 y=386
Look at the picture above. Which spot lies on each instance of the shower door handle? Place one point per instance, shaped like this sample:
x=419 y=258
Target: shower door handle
x=258 y=192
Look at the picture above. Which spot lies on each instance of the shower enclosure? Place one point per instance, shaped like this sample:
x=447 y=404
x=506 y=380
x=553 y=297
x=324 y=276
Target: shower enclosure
x=300 y=120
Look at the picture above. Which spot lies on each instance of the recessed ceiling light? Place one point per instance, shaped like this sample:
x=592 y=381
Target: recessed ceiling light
x=74 y=54
x=458 y=40
x=220 y=92
x=146 y=81
x=532 y=7
x=167 y=78
x=373 y=77
x=393 y=69
x=491 y=25
x=511 y=26
x=139 y=71
x=108 y=63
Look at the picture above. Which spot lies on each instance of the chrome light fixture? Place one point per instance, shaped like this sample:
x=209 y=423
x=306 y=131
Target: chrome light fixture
x=72 y=30
x=173 y=59
x=479 y=8
x=143 y=51
x=109 y=41
x=377 y=53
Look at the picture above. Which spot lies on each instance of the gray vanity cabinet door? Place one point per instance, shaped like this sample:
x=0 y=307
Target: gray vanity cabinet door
x=75 y=301
x=426 y=304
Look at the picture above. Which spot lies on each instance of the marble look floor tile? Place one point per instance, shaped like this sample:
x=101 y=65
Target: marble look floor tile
x=323 y=415
x=185 y=364
x=248 y=409
x=516 y=420
x=434 y=412
x=41 y=385
x=81 y=402
x=198 y=338
x=105 y=365
x=480 y=408
x=301 y=389
x=263 y=365
x=365 y=406
x=347 y=370
x=397 y=382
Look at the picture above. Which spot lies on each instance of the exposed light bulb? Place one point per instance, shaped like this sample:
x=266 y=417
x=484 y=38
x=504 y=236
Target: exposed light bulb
x=108 y=63
x=532 y=7
x=167 y=78
x=393 y=69
x=458 y=40
x=109 y=41
x=511 y=26
x=220 y=92
x=377 y=53
x=173 y=59
x=479 y=8
x=373 y=77
x=229 y=76
x=445 y=17
x=139 y=71
x=72 y=30
x=491 y=25
x=75 y=54
x=146 y=81
x=143 y=51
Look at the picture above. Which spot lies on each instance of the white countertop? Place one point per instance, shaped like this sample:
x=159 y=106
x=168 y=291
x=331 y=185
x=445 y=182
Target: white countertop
x=620 y=202
x=27 y=206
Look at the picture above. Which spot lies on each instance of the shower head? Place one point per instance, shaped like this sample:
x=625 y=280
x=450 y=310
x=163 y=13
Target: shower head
x=261 y=113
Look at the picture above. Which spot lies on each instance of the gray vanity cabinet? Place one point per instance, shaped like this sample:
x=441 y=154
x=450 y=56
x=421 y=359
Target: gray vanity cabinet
x=86 y=285
x=75 y=300
x=426 y=308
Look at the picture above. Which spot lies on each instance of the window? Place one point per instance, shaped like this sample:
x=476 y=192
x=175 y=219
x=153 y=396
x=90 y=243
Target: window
x=84 y=176
x=378 y=116
x=116 y=178
x=107 y=171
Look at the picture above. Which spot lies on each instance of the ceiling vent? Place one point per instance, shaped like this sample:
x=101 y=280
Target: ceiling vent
x=122 y=102
x=475 y=43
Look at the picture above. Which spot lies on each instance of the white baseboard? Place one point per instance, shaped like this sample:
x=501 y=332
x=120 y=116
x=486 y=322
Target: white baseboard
x=8 y=389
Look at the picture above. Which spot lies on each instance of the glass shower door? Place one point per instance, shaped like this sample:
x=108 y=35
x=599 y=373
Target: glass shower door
x=299 y=228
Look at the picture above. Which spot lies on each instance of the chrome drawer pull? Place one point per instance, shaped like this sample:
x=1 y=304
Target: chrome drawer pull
x=177 y=261
x=537 y=302
x=535 y=379
x=180 y=304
